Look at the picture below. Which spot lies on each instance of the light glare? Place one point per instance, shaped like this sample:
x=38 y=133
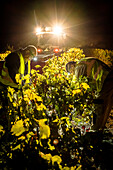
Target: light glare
x=57 y=30
x=48 y=29
x=38 y=30
x=35 y=58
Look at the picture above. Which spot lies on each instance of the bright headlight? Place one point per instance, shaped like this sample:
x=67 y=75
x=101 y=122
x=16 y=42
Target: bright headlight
x=57 y=30
x=35 y=58
x=38 y=30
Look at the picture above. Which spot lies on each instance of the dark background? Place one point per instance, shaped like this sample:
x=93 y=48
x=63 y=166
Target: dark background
x=86 y=22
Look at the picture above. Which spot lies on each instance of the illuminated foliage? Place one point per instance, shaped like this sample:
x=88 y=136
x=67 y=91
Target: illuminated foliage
x=4 y=55
x=45 y=116
x=104 y=55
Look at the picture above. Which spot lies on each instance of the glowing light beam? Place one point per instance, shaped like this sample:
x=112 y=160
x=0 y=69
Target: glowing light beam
x=57 y=30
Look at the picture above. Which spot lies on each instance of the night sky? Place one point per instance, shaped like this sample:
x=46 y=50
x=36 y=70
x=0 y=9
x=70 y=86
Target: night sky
x=86 y=22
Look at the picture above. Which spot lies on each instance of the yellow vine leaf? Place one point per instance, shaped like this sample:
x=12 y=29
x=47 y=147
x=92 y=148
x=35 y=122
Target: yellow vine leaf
x=57 y=159
x=18 y=128
x=17 y=147
x=44 y=129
